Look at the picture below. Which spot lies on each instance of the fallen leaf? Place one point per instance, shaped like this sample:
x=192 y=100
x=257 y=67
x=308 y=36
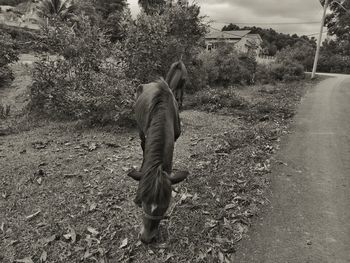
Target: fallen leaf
x=48 y=240
x=169 y=256
x=2 y=227
x=33 y=215
x=43 y=256
x=111 y=144
x=25 y=260
x=211 y=223
x=87 y=254
x=71 y=235
x=92 y=206
x=92 y=146
x=13 y=242
x=39 y=180
x=221 y=257
x=124 y=243
x=77 y=249
x=230 y=206
x=93 y=231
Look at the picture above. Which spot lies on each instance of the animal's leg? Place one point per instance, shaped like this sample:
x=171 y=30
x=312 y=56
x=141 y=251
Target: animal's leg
x=178 y=97
x=181 y=96
x=143 y=142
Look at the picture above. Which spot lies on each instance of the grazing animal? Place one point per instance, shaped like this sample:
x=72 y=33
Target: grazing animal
x=177 y=79
x=158 y=121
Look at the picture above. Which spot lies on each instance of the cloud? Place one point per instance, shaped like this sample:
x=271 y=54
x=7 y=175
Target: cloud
x=261 y=11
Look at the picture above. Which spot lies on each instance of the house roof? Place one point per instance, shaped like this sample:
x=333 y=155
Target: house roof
x=254 y=36
x=235 y=34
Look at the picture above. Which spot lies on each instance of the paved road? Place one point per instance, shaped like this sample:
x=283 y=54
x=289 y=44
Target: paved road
x=309 y=217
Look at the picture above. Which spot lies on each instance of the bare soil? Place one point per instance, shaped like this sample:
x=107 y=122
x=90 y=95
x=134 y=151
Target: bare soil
x=65 y=196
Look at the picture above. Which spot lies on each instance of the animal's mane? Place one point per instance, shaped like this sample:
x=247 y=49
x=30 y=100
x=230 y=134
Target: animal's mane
x=154 y=186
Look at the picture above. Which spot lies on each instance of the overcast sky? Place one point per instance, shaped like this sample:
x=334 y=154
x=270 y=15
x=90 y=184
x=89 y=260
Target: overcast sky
x=261 y=11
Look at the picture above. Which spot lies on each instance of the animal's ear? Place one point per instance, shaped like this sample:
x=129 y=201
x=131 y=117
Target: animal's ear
x=135 y=175
x=139 y=90
x=178 y=176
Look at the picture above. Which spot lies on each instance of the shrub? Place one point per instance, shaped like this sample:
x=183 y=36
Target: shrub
x=154 y=42
x=263 y=73
x=287 y=70
x=225 y=66
x=87 y=81
x=8 y=55
x=24 y=38
x=302 y=52
x=214 y=99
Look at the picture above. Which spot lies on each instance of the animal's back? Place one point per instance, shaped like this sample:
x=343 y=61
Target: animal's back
x=147 y=99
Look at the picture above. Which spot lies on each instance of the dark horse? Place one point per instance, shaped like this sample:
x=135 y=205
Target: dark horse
x=177 y=79
x=158 y=123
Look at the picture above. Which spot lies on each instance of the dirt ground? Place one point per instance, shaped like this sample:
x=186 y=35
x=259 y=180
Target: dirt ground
x=65 y=196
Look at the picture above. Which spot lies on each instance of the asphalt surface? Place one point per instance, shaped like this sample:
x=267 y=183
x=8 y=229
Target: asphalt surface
x=309 y=217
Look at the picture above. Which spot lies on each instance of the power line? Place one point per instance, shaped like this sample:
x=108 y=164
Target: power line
x=314 y=34
x=232 y=34
x=273 y=23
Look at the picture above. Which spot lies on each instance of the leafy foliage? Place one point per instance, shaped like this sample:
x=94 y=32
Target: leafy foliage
x=225 y=66
x=24 y=39
x=56 y=9
x=335 y=52
x=8 y=54
x=12 y=2
x=154 y=42
x=338 y=22
x=302 y=52
x=287 y=70
x=87 y=81
x=152 y=6
x=108 y=7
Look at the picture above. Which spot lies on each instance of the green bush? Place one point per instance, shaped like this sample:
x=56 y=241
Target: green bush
x=8 y=55
x=87 y=81
x=214 y=99
x=24 y=38
x=287 y=70
x=302 y=52
x=224 y=66
x=154 y=42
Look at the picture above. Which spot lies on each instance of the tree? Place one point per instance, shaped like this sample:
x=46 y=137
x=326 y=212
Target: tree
x=272 y=40
x=230 y=27
x=56 y=9
x=12 y=2
x=8 y=55
x=152 y=6
x=302 y=52
x=155 y=41
x=338 y=23
x=109 y=7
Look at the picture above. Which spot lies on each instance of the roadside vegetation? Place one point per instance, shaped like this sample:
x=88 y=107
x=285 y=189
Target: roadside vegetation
x=64 y=192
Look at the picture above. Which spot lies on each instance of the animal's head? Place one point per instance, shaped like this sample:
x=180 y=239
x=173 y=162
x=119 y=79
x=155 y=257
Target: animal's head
x=153 y=196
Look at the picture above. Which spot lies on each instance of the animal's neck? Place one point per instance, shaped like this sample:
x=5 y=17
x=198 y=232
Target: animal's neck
x=156 y=139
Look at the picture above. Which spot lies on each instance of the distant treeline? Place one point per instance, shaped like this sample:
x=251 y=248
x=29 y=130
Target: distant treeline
x=272 y=40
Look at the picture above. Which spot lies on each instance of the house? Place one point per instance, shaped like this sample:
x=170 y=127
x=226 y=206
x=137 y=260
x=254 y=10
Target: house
x=242 y=40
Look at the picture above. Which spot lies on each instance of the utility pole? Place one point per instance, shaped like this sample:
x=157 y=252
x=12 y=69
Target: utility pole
x=319 y=40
